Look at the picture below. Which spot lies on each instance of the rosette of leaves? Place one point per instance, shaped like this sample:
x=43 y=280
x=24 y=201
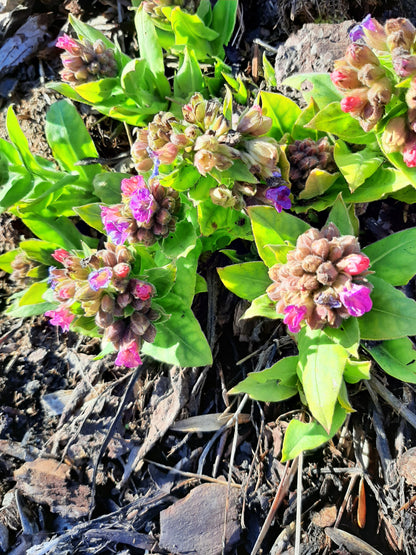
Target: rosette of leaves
x=329 y=358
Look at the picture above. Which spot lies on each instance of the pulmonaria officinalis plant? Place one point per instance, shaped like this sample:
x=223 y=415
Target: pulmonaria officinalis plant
x=336 y=298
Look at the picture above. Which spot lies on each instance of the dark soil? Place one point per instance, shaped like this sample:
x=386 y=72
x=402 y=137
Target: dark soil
x=58 y=405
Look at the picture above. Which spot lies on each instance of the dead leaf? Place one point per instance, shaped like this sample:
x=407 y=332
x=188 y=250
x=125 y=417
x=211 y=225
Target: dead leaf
x=354 y=545
x=325 y=517
x=206 y=422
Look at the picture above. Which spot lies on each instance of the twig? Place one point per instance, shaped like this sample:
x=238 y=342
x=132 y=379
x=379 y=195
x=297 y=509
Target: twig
x=265 y=46
x=299 y=504
x=392 y=400
x=346 y=497
x=230 y=475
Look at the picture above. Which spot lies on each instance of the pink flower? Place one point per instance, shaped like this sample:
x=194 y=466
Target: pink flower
x=131 y=184
x=100 y=278
x=121 y=270
x=353 y=103
x=354 y=264
x=142 y=290
x=60 y=317
x=409 y=154
x=280 y=197
x=115 y=226
x=129 y=356
x=67 y=43
x=293 y=317
x=60 y=255
x=356 y=299
x=142 y=205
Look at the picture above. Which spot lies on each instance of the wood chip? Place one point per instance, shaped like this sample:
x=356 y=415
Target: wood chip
x=325 y=517
x=195 y=524
x=406 y=466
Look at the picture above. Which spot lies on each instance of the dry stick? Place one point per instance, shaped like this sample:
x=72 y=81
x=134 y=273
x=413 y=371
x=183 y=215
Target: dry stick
x=393 y=401
x=230 y=474
x=110 y=433
x=280 y=494
x=346 y=497
x=299 y=488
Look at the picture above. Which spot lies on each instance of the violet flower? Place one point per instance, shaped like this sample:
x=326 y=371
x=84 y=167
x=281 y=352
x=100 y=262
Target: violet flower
x=142 y=205
x=357 y=32
x=100 y=278
x=60 y=317
x=280 y=197
x=129 y=356
x=293 y=317
x=356 y=299
x=116 y=228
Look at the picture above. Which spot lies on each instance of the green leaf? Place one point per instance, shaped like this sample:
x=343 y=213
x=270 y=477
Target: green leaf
x=347 y=335
x=357 y=370
x=299 y=131
x=91 y=214
x=7 y=258
x=340 y=216
x=19 y=184
x=323 y=91
x=317 y=183
x=394 y=257
x=162 y=278
x=181 y=241
x=191 y=31
x=332 y=119
x=179 y=340
x=59 y=231
x=272 y=228
x=189 y=77
x=223 y=21
x=181 y=179
x=247 y=280
x=212 y=218
x=10 y=152
x=268 y=72
x=321 y=366
x=302 y=436
x=382 y=183
x=69 y=139
x=283 y=112
x=277 y=383
x=28 y=310
x=85 y=325
x=262 y=306
x=39 y=250
x=393 y=314
x=34 y=294
x=343 y=398
x=396 y=357
x=97 y=92
x=186 y=268
x=356 y=167
x=107 y=186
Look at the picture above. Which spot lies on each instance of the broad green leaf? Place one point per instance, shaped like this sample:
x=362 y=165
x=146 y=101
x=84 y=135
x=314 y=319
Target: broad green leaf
x=162 y=278
x=69 y=139
x=91 y=214
x=85 y=325
x=283 y=112
x=321 y=366
x=393 y=314
x=356 y=167
x=179 y=340
x=396 y=159
x=223 y=21
x=28 y=310
x=98 y=91
x=39 y=250
x=299 y=131
x=357 y=370
x=201 y=285
x=191 y=31
x=268 y=72
x=60 y=231
x=188 y=78
x=181 y=179
x=343 y=398
x=186 y=268
x=34 y=294
x=180 y=242
x=302 y=436
x=332 y=119
x=212 y=218
x=262 y=306
x=107 y=186
x=382 y=183
x=394 y=257
x=277 y=383
x=347 y=335
x=272 y=228
x=247 y=280
x=396 y=357
x=7 y=258
x=19 y=184
x=341 y=217
x=317 y=183
x=10 y=152
x=323 y=92
x=238 y=172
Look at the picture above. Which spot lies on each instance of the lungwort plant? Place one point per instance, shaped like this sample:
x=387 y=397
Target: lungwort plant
x=339 y=301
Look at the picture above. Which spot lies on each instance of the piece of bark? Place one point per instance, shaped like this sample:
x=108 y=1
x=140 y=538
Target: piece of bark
x=195 y=524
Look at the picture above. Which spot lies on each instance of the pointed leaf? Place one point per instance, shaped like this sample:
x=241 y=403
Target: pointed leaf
x=323 y=90
x=283 y=112
x=357 y=370
x=396 y=357
x=223 y=21
x=262 y=306
x=247 y=280
x=356 y=167
x=317 y=183
x=340 y=216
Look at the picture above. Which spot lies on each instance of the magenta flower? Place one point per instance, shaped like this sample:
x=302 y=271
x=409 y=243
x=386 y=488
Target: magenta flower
x=60 y=255
x=409 y=154
x=356 y=299
x=142 y=290
x=100 y=278
x=142 y=205
x=354 y=264
x=60 y=317
x=129 y=356
x=121 y=270
x=67 y=43
x=280 y=197
x=293 y=317
x=131 y=184
x=115 y=227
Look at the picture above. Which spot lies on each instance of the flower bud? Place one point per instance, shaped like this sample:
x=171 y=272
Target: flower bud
x=311 y=263
x=139 y=323
x=409 y=151
x=150 y=334
x=107 y=303
x=326 y=273
x=357 y=55
x=346 y=78
x=167 y=154
x=252 y=122
x=103 y=319
x=375 y=34
x=370 y=73
x=380 y=93
x=222 y=196
x=404 y=65
x=121 y=270
x=400 y=33
x=124 y=299
x=353 y=264
x=355 y=101
x=394 y=136
x=204 y=161
x=320 y=247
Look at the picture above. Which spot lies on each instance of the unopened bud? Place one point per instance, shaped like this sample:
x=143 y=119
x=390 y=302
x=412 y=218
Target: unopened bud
x=355 y=101
x=320 y=247
x=326 y=273
x=104 y=319
x=409 y=151
x=139 y=323
x=346 y=78
x=374 y=33
x=404 y=65
x=107 y=303
x=114 y=332
x=380 y=93
x=150 y=334
x=357 y=55
x=222 y=196
x=394 y=136
x=311 y=263
x=204 y=161
x=400 y=33
x=354 y=264
x=121 y=270
x=124 y=299
x=369 y=74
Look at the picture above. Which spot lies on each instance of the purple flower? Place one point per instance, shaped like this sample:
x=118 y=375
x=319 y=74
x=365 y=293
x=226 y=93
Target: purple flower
x=142 y=205
x=356 y=33
x=280 y=197
x=100 y=278
x=129 y=356
x=60 y=317
x=356 y=299
x=156 y=162
x=115 y=227
x=131 y=184
x=293 y=317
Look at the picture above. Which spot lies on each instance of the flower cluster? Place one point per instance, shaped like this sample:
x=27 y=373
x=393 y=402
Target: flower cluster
x=323 y=281
x=146 y=214
x=155 y=7
x=85 y=61
x=307 y=155
x=103 y=287
x=205 y=138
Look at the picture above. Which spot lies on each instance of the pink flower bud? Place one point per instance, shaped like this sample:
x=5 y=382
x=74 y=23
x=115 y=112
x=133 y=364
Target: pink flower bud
x=354 y=264
x=142 y=289
x=60 y=255
x=293 y=317
x=409 y=153
x=355 y=102
x=67 y=43
x=357 y=55
x=345 y=78
x=121 y=270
